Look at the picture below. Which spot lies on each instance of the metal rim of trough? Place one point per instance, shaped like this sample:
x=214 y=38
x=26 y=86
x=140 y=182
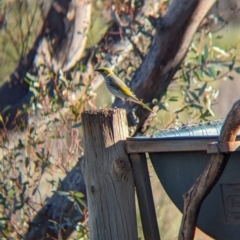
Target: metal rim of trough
x=209 y=144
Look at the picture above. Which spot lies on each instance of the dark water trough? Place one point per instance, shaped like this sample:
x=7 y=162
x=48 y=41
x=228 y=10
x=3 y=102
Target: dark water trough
x=179 y=157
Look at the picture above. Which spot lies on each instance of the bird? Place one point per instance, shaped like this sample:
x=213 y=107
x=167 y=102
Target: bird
x=118 y=88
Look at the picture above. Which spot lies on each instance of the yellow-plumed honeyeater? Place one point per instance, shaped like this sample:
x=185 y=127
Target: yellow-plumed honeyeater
x=118 y=88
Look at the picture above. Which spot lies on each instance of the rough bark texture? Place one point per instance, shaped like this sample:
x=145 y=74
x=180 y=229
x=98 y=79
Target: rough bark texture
x=194 y=198
x=108 y=176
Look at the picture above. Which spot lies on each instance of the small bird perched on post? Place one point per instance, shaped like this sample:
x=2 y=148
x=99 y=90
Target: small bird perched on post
x=118 y=88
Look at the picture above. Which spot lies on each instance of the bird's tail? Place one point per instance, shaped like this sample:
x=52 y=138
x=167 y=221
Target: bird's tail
x=136 y=100
x=145 y=106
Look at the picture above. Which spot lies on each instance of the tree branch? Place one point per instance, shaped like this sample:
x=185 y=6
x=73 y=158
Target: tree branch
x=169 y=46
x=194 y=198
x=15 y=92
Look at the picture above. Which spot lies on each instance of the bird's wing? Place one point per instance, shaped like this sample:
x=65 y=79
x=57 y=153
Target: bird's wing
x=122 y=87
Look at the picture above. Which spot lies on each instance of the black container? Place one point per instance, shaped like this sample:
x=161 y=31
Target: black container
x=177 y=171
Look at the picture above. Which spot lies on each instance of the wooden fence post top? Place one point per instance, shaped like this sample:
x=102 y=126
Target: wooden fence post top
x=106 y=111
x=108 y=175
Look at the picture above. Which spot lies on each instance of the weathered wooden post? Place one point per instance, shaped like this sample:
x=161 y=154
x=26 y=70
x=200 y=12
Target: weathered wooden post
x=108 y=176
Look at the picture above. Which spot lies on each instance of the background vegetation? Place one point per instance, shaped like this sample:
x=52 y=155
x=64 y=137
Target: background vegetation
x=36 y=156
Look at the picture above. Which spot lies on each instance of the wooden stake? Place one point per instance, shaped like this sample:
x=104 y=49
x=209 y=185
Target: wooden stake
x=108 y=176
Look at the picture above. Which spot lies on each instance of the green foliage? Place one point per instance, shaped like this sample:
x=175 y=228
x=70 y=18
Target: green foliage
x=196 y=86
x=35 y=159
